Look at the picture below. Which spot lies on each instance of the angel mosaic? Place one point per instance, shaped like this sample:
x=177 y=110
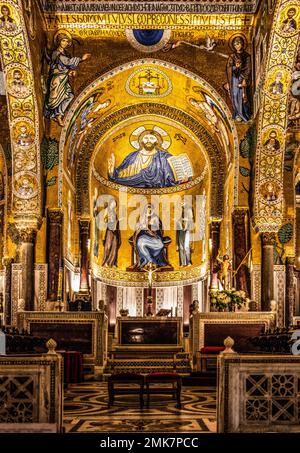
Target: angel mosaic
x=62 y=66
x=214 y=116
x=83 y=119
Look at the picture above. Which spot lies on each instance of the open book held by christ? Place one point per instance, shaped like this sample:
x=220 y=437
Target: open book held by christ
x=182 y=167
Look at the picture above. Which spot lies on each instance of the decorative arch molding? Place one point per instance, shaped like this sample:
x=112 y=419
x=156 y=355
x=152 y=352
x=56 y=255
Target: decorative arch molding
x=216 y=157
x=197 y=77
x=268 y=214
x=22 y=111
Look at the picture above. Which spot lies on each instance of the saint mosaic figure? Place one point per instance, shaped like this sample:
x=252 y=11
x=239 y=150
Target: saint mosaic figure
x=149 y=166
x=96 y=229
x=17 y=86
x=112 y=238
x=276 y=88
x=206 y=107
x=7 y=23
x=270 y=194
x=239 y=77
x=238 y=73
x=26 y=187
x=62 y=66
x=184 y=242
x=289 y=25
x=24 y=138
x=272 y=144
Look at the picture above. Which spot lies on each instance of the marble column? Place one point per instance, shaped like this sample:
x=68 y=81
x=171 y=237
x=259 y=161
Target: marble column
x=55 y=220
x=215 y=244
x=187 y=300
x=84 y=232
x=297 y=236
x=240 y=250
x=267 y=270
x=27 y=249
x=7 y=290
x=112 y=299
x=290 y=290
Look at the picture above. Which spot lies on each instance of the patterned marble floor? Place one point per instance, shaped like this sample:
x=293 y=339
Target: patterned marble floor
x=85 y=410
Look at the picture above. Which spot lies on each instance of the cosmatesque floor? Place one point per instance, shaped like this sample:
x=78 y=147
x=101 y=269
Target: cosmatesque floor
x=85 y=410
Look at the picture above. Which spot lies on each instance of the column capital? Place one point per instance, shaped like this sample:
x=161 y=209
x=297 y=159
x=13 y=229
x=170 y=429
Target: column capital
x=290 y=260
x=7 y=261
x=27 y=235
x=238 y=215
x=23 y=222
x=268 y=238
x=215 y=226
x=84 y=224
x=20 y=235
x=55 y=215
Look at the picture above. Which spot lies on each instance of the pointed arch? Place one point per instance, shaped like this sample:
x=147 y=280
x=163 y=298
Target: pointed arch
x=106 y=76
